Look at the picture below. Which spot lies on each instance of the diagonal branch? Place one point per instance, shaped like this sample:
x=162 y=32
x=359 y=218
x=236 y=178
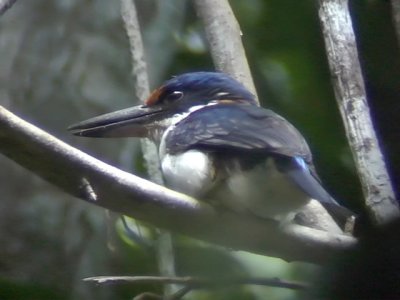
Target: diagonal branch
x=106 y=186
x=5 y=5
x=224 y=37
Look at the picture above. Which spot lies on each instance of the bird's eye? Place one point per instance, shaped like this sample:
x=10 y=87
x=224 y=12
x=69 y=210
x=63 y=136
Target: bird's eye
x=174 y=96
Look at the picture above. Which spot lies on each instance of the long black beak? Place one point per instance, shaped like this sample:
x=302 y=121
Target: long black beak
x=131 y=122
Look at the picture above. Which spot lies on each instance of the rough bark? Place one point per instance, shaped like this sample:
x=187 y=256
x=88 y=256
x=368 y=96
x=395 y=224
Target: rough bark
x=351 y=97
x=224 y=37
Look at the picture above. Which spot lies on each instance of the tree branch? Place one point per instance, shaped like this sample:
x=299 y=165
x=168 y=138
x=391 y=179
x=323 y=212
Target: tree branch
x=164 y=246
x=224 y=37
x=192 y=283
x=5 y=5
x=351 y=97
x=67 y=168
x=396 y=18
x=199 y=282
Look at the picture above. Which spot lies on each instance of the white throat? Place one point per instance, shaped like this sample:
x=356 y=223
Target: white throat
x=171 y=122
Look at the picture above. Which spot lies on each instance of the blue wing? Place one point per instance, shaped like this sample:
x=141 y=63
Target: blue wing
x=238 y=127
x=249 y=130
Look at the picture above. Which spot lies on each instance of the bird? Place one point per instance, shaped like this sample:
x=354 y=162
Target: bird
x=215 y=143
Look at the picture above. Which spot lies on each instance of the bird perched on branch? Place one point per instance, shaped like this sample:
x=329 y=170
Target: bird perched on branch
x=216 y=144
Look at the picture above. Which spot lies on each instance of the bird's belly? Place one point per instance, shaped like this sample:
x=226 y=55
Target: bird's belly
x=261 y=190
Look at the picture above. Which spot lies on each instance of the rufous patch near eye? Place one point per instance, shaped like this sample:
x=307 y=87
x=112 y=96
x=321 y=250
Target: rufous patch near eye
x=236 y=101
x=154 y=96
x=226 y=101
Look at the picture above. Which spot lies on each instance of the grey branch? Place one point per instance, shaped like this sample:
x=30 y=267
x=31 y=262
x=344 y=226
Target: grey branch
x=224 y=37
x=164 y=245
x=351 y=97
x=199 y=282
x=65 y=167
x=139 y=69
x=5 y=5
x=396 y=18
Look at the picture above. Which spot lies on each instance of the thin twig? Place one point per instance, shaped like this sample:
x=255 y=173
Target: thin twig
x=196 y=283
x=351 y=97
x=139 y=67
x=180 y=293
x=136 y=237
x=164 y=245
x=148 y=296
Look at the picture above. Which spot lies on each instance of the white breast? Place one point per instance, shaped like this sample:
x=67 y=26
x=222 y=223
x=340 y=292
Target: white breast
x=262 y=191
x=190 y=172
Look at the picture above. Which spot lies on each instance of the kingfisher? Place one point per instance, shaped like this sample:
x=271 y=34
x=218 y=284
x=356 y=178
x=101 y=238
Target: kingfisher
x=217 y=144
